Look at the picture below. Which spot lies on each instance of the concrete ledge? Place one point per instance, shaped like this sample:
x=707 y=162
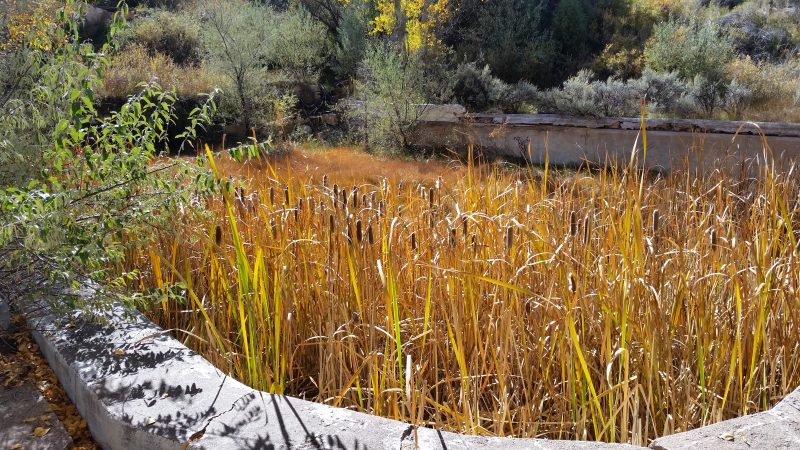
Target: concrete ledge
x=138 y=388
x=778 y=428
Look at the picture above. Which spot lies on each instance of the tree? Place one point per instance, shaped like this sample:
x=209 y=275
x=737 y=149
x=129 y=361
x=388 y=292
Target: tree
x=97 y=188
x=571 y=27
x=237 y=35
x=391 y=90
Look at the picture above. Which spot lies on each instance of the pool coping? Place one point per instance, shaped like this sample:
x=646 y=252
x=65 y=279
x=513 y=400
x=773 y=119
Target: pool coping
x=139 y=388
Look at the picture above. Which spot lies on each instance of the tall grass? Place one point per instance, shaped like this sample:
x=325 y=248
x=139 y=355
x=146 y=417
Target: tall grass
x=611 y=306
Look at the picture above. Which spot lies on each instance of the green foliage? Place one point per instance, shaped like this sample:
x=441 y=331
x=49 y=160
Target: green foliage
x=299 y=45
x=506 y=34
x=351 y=38
x=97 y=189
x=571 y=25
x=391 y=91
x=163 y=32
x=691 y=48
x=238 y=37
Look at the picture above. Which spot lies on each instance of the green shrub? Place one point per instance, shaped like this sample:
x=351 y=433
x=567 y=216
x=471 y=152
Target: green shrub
x=351 y=39
x=176 y=35
x=391 y=97
x=691 y=48
x=238 y=36
x=476 y=88
x=299 y=45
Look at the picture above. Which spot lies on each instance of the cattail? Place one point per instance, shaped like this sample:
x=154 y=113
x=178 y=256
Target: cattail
x=573 y=287
x=587 y=230
x=452 y=237
x=364 y=200
x=271 y=196
x=509 y=237
x=413 y=241
x=654 y=222
x=273 y=227
x=474 y=243
x=573 y=224
x=714 y=238
x=372 y=199
x=464 y=225
x=286 y=196
x=218 y=235
x=331 y=225
x=381 y=209
x=370 y=236
x=325 y=181
x=359 y=231
x=335 y=191
x=311 y=205
x=430 y=198
x=344 y=198
x=355 y=197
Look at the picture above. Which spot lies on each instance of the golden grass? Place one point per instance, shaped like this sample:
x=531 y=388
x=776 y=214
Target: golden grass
x=606 y=306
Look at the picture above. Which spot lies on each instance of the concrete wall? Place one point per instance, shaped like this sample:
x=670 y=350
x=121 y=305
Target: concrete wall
x=138 y=388
x=571 y=141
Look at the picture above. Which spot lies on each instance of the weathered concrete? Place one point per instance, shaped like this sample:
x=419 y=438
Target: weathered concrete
x=138 y=388
x=671 y=144
x=778 y=428
x=23 y=411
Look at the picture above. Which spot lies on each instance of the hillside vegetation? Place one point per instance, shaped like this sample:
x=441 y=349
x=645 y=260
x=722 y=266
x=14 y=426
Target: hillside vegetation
x=280 y=62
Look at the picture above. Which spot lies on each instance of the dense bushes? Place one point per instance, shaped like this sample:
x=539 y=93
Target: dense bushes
x=581 y=57
x=168 y=33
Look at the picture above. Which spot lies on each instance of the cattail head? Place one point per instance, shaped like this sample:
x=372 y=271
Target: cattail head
x=714 y=238
x=286 y=196
x=654 y=222
x=573 y=287
x=359 y=231
x=331 y=224
x=573 y=223
x=218 y=235
x=464 y=225
x=413 y=241
x=364 y=200
x=381 y=208
x=335 y=190
x=325 y=180
x=344 y=197
x=430 y=198
x=587 y=230
x=509 y=237
x=452 y=237
x=271 y=196
x=355 y=197
x=370 y=236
